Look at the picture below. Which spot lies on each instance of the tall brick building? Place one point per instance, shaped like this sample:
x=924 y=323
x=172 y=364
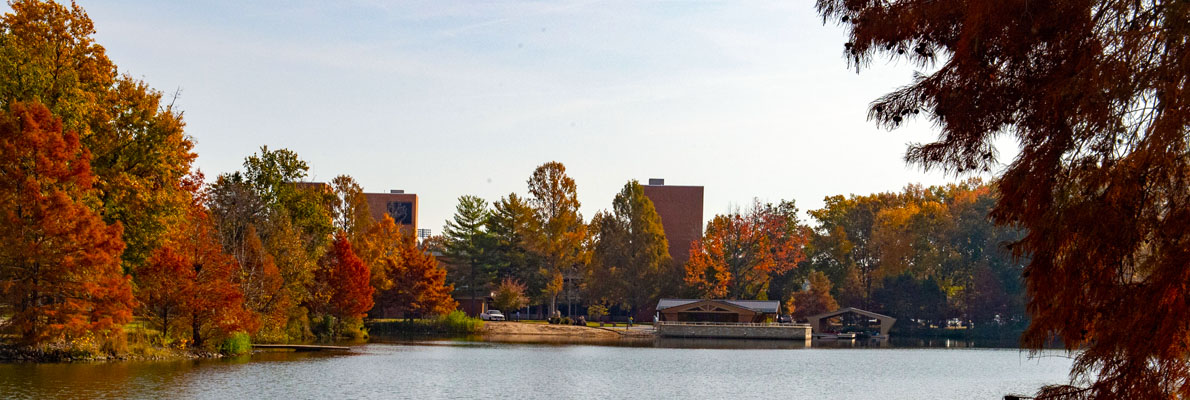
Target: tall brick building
x=680 y=208
x=397 y=204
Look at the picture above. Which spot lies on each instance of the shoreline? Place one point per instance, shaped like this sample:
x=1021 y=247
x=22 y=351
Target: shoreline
x=19 y=355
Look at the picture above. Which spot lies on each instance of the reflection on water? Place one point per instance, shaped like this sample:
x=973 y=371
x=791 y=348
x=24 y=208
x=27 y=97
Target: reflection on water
x=664 y=369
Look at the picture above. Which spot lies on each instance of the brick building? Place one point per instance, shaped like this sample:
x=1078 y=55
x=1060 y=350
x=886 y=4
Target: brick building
x=401 y=206
x=680 y=208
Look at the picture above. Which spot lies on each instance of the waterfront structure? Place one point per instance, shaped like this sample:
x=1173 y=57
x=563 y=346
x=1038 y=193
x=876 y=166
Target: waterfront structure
x=695 y=310
x=884 y=322
x=680 y=209
x=725 y=319
x=401 y=206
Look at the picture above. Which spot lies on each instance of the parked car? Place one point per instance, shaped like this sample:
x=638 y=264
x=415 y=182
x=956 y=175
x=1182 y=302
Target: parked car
x=491 y=315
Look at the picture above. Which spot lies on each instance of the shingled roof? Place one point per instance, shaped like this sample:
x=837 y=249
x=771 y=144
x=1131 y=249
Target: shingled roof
x=760 y=306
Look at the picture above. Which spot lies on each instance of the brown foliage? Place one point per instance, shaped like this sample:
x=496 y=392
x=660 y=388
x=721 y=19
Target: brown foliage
x=59 y=266
x=1096 y=93
x=510 y=295
x=263 y=287
x=814 y=300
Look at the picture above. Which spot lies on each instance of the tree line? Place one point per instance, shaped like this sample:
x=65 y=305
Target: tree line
x=105 y=219
x=925 y=254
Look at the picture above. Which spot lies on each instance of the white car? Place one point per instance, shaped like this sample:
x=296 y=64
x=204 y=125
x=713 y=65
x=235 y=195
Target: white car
x=491 y=315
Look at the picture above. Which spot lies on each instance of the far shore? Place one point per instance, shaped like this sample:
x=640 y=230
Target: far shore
x=519 y=331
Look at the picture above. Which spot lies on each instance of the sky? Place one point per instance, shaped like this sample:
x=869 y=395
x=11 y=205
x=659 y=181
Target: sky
x=750 y=99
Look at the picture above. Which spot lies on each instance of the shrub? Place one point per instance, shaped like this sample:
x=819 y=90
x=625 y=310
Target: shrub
x=454 y=323
x=236 y=344
x=597 y=312
x=458 y=322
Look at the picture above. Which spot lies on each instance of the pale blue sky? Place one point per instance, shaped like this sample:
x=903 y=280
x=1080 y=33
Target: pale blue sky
x=747 y=98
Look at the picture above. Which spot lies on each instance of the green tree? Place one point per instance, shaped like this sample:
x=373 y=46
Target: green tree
x=467 y=245
x=511 y=226
x=293 y=221
x=630 y=260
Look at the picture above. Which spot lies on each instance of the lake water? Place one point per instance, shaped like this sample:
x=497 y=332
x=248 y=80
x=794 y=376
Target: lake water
x=681 y=369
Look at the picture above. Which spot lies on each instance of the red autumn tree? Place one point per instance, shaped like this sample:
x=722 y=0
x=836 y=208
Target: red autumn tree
x=187 y=287
x=60 y=276
x=419 y=283
x=349 y=280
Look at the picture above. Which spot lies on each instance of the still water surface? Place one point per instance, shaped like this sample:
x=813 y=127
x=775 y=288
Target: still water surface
x=465 y=370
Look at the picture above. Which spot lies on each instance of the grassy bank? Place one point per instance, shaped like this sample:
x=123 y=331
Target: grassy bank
x=454 y=324
x=137 y=342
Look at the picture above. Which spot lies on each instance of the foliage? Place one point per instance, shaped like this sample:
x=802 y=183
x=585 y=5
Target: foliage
x=419 y=283
x=454 y=323
x=739 y=255
x=630 y=264
x=906 y=297
x=60 y=277
x=814 y=300
x=187 y=288
x=558 y=234
x=235 y=344
x=510 y=295
x=597 y=312
x=467 y=244
x=937 y=233
x=510 y=227
x=139 y=152
x=381 y=241
x=349 y=208
x=1095 y=94
x=345 y=282
x=263 y=288
x=292 y=222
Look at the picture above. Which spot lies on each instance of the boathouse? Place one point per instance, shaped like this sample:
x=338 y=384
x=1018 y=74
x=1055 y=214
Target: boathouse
x=884 y=323
x=695 y=310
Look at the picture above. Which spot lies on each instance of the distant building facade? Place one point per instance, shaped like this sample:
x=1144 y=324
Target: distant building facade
x=680 y=208
x=401 y=206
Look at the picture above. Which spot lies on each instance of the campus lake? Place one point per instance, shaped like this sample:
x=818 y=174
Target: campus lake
x=458 y=369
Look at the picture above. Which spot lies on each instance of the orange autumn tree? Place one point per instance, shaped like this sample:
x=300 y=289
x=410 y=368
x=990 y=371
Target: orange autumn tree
x=60 y=275
x=345 y=283
x=419 y=283
x=814 y=300
x=739 y=255
x=263 y=287
x=186 y=289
